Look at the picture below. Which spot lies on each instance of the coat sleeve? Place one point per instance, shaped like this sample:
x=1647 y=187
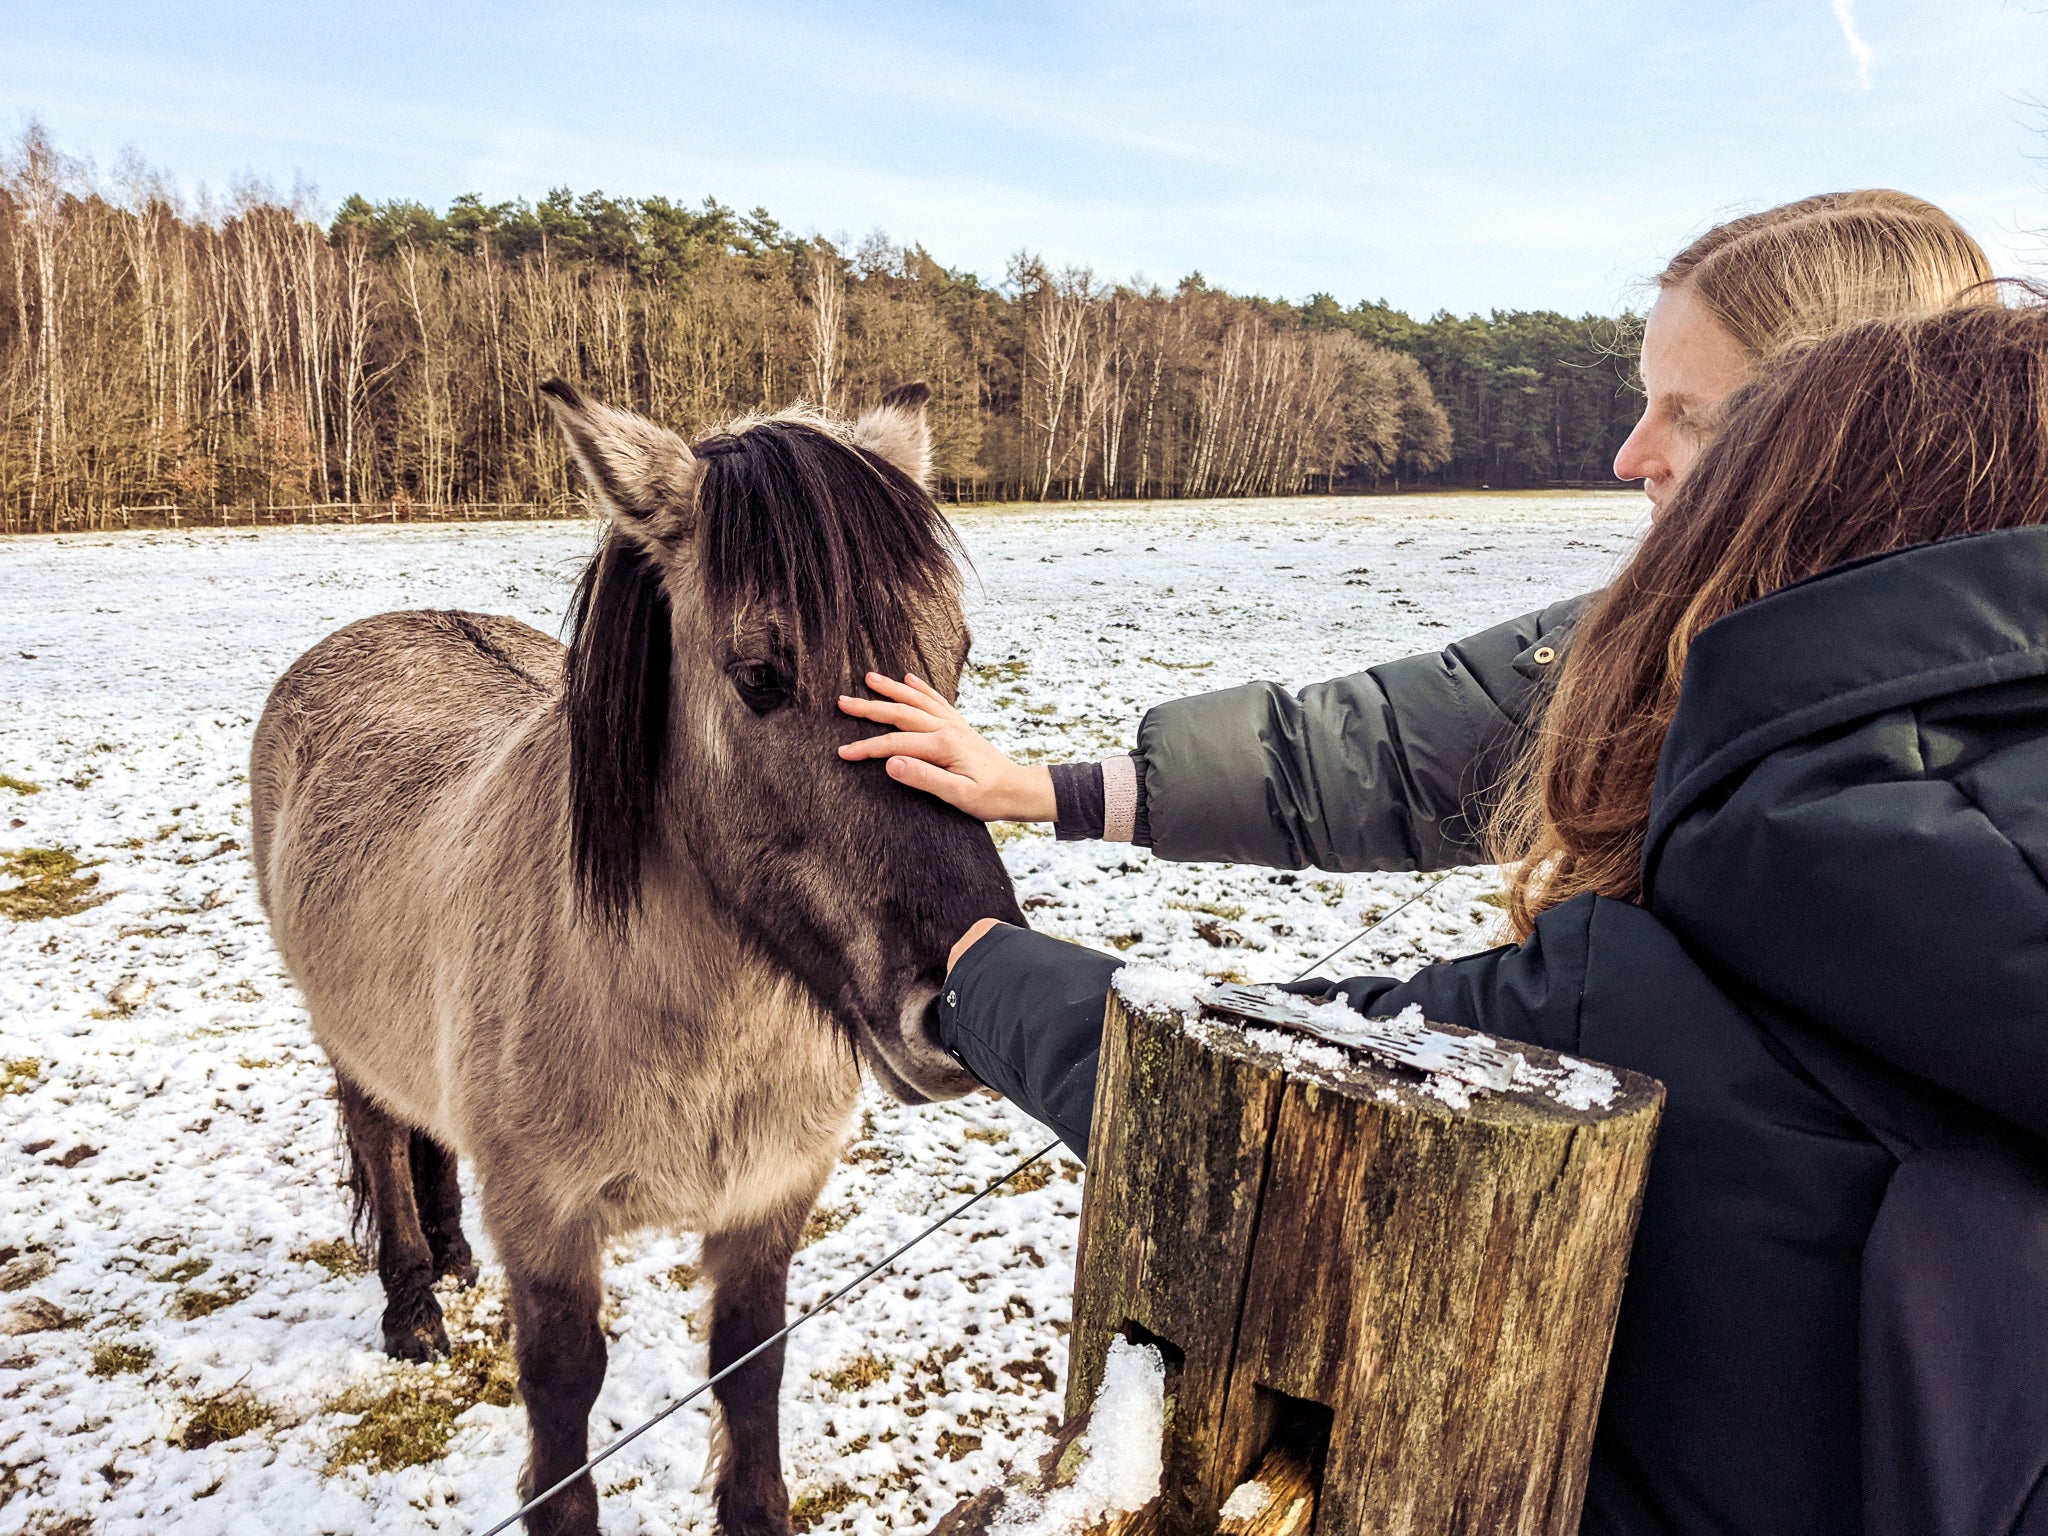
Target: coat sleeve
x=1023 y=1011
x=1381 y=770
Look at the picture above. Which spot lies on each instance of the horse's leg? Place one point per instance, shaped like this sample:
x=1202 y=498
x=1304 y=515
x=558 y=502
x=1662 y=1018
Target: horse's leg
x=750 y=1268
x=381 y=1146
x=437 y=1191
x=560 y=1349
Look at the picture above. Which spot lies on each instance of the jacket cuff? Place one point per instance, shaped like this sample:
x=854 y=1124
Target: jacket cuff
x=1023 y=1012
x=1077 y=801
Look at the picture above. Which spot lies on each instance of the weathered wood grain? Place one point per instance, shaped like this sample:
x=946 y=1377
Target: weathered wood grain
x=1435 y=1286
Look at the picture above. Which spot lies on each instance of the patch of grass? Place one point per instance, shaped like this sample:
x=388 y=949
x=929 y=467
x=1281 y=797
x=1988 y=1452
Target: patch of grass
x=810 y=1508
x=859 y=1373
x=224 y=1416
x=183 y=1271
x=1495 y=899
x=1011 y=831
x=1031 y=1180
x=114 y=1359
x=19 y=786
x=1179 y=666
x=19 y=1075
x=825 y=1220
x=338 y=1256
x=1229 y=911
x=1121 y=940
x=48 y=884
x=1000 y=671
x=683 y=1276
x=410 y=1423
x=192 y=1303
x=953 y=1447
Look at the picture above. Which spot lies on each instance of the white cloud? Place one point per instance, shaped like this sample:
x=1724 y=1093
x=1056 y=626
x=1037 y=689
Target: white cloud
x=1859 y=50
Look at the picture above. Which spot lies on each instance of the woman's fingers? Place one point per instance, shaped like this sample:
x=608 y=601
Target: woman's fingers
x=922 y=744
x=960 y=793
x=913 y=690
x=907 y=717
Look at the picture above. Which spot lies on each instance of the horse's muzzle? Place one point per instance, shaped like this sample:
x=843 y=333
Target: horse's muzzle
x=908 y=1060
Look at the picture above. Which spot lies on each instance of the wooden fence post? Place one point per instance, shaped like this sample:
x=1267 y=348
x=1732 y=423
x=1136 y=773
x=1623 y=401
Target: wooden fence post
x=1417 y=1297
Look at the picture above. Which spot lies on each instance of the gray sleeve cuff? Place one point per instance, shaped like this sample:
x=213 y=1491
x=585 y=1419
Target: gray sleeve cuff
x=1077 y=801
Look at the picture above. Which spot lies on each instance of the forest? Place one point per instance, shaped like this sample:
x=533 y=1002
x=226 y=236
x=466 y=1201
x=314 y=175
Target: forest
x=249 y=358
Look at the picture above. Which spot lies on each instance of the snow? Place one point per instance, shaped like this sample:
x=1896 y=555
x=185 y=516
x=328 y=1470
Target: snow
x=1246 y=1501
x=172 y=1155
x=1576 y=1084
x=1123 y=1451
x=1162 y=989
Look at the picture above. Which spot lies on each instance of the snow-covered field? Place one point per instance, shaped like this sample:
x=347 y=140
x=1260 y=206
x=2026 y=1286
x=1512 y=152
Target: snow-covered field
x=170 y=1214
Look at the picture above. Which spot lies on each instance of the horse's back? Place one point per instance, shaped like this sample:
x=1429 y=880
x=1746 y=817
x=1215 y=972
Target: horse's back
x=391 y=709
x=379 y=749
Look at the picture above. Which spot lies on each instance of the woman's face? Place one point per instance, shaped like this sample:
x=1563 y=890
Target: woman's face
x=1690 y=365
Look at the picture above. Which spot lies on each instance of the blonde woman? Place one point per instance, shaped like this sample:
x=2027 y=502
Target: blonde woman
x=1388 y=768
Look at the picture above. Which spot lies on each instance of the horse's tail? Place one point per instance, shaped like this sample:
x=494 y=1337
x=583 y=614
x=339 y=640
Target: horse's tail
x=356 y=1179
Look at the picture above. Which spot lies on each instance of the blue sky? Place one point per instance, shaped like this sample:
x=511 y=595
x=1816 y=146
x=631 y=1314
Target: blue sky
x=1533 y=154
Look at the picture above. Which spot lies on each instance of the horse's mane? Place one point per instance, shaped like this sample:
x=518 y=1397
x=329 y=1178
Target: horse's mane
x=839 y=546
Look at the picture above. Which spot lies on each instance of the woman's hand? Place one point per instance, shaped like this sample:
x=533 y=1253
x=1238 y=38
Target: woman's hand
x=933 y=749
x=969 y=939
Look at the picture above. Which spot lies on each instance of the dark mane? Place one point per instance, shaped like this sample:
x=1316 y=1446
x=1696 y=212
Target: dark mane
x=840 y=546
x=615 y=697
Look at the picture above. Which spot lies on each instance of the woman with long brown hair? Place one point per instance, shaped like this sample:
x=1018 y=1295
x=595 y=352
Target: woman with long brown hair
x=1782 y=842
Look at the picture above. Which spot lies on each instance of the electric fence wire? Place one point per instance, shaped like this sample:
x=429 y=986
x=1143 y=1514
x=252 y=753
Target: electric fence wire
x=875 y=1269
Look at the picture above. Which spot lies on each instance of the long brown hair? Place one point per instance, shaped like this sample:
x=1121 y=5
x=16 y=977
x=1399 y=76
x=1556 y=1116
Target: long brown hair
x=1890 y=434
x=1807 y=269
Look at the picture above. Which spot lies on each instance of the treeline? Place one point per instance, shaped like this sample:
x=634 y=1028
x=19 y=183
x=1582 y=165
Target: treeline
x=235 y=358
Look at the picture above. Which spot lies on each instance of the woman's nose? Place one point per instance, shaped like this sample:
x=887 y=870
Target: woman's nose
x=1642 y=457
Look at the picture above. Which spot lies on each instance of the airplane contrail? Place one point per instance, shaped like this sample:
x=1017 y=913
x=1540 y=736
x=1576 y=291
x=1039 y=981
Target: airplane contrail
x=1859 y=50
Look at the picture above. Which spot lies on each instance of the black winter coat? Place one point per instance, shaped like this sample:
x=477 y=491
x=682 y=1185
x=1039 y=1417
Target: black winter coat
x=1836 y=1317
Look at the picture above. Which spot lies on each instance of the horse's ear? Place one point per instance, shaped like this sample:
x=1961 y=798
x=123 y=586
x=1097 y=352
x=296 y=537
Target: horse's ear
x=895 y=429
x=645 y=476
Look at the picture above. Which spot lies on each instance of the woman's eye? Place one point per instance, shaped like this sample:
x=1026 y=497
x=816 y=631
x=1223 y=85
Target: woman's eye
x=760 y=687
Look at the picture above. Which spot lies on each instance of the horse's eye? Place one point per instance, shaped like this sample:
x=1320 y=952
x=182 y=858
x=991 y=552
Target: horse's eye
x=760 y=686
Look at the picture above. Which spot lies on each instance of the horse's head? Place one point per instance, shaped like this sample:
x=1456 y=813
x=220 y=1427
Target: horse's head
x=744 y=584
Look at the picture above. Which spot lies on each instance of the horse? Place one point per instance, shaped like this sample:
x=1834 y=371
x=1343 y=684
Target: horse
x=613 y=920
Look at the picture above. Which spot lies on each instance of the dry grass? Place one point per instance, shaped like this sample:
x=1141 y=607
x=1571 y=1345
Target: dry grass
x=48 y=884
x=1000 y=671
x=224 y=1416
x=410 y=1423
x=192 y=1303
x=19 y=786
x=1031 y=1180
x=825 y=1220
x=19 y=1075
x=858 y=1374
x=809 y=1508
x=338 y=1256
x=115 y=1359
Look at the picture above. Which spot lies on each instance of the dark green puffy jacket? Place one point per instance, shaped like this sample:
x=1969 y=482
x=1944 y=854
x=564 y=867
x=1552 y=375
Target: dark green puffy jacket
x=1387 y=769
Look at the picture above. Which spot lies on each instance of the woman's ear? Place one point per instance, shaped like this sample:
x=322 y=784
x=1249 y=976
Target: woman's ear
x=895 y=429
x=644 y=476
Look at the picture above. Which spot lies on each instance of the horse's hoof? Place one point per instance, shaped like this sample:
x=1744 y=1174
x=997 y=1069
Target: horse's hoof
x=420 y=1342
x=457 y=1264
